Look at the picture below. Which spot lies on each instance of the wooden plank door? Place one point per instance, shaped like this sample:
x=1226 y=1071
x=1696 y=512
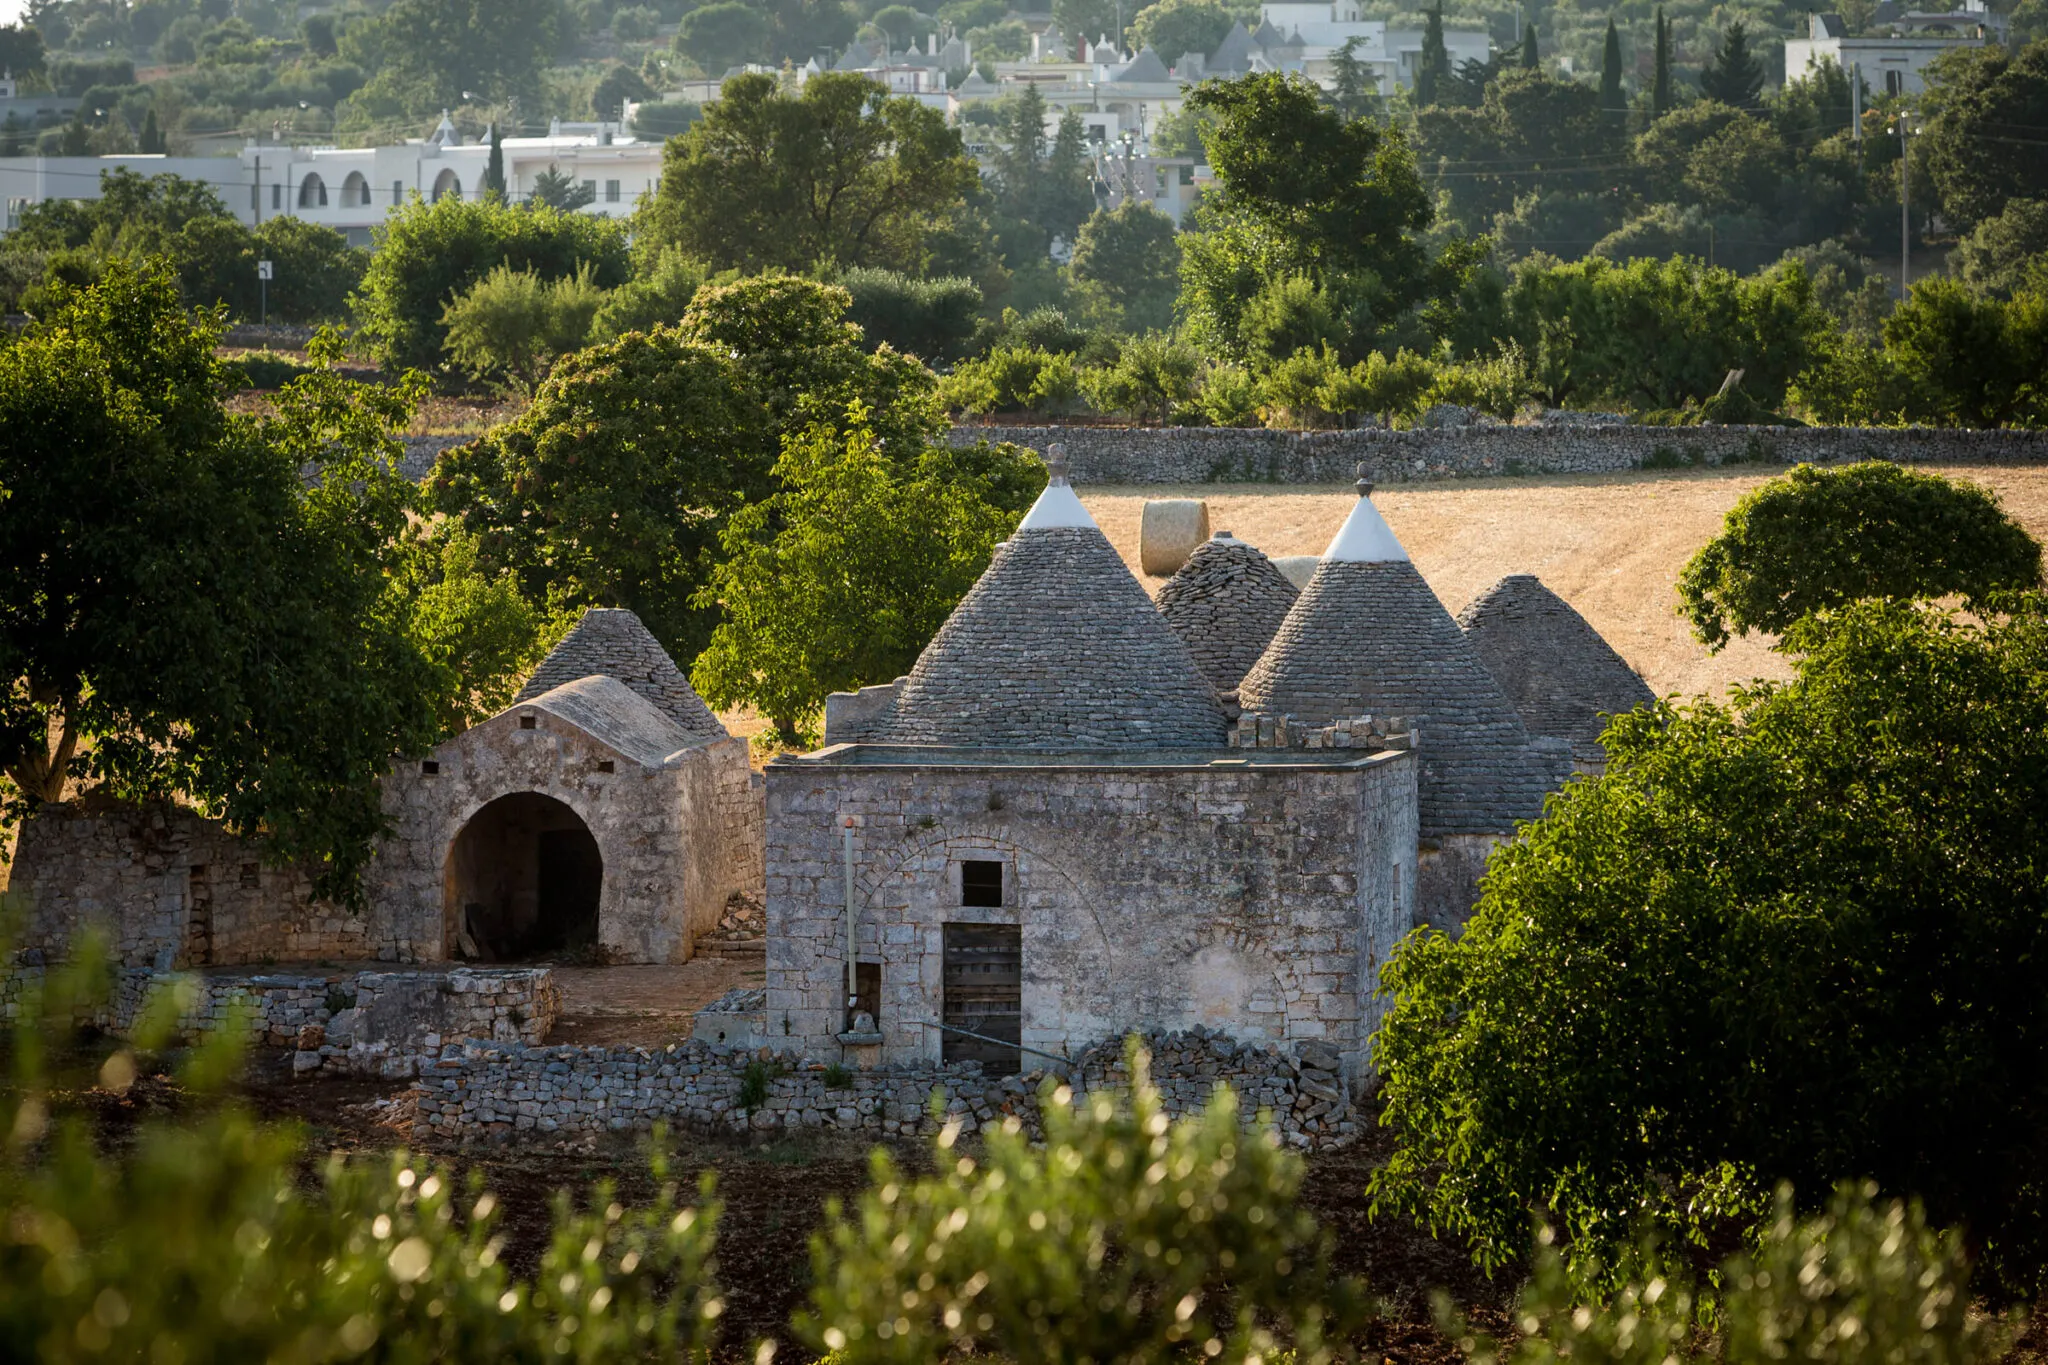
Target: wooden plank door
x=984 y=976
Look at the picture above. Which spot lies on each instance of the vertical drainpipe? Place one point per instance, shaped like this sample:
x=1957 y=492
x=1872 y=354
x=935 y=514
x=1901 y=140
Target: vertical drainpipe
x=852 y=976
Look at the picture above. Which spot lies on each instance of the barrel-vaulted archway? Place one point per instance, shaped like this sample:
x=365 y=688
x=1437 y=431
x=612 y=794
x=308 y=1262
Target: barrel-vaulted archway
x=523 y=880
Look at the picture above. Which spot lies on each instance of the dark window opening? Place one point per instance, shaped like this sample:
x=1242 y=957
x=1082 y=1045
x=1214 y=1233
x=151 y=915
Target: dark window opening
x=528 y=722
x=982 y=1004
x=604 y=765
x=981 y=883
x=429 y=768
x=524 y=881
x=867 y=994
x=252 y=876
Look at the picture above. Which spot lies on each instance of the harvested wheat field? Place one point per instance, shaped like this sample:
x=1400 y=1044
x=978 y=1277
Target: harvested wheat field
x=1610 y=544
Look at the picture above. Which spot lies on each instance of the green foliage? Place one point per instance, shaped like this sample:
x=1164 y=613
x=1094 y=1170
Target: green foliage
x=932 y=319
x=430 y=253
x=1780 y=939
x=721 y=36
x=424 y=54
x=1154 y=380
x=658 y=295
x=1815 y=539
x=1863 y=1281
x=620 y=83
x=1230 y=397
x=512 y=326
x=1012 y=377
x=1527 y=128
x=269 y=369
x=840 y=579
x=1125 y=1236
x=611 y=490
x=2004 y=254
x=1979 y=97
x=1735 y=75
x=1041 y=188
x=1174 y=27
x=203 y=1237
x=841 y=173
x=1126 y=267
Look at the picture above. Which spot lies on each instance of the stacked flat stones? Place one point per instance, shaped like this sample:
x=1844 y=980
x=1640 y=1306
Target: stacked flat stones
x=1226 y=604
x=614 y=643
x=1057 y=647
x=1557 y=671
x=1368 y=637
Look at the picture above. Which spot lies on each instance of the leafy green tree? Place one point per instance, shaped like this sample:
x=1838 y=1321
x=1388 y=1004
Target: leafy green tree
x=557 y=189
x=1665 y=150
x=1354 y=92
x=1300 y=191
x=1043 y=186
x=426 y=53
x=214 y=1235
x=314 y=267
x=427 y=253
x=1127 y=267
x=1123 y=1236
x=842 y=577
x=1742 y=168
x=611 y=490
x=512 y=326
x=1613 y=104
x=1434 y=67
x=1660 y=71
x=21 y=49
x=614 y=88
x=187 y=613
x=1978 y=98
x=1085 y=21
x=1734 y=75
x=659 y=294
x=1532 y=57
x=1154 y=379
x=1175 y=27
x=901 y=25
x=1526 y=124
x=1969 y=360
x=721 y=36
x=2002 y=255
x=1780 y=939
x=934 y=320
x=841 y=173
x=1817 y=539
x=135 y=214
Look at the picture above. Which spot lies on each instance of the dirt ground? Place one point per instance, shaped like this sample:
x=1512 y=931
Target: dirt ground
x=650 y=1006
x=1610 y=544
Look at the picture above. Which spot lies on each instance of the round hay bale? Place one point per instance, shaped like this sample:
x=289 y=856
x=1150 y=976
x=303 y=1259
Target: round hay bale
x=1169 y=532
x=1298 y=568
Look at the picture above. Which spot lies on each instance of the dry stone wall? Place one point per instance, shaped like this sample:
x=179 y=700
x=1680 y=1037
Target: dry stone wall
x=492 y=1092
x=1192 y=455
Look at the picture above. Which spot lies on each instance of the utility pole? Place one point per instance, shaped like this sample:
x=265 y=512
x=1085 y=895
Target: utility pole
x=1905 y=214
x=1856 y=103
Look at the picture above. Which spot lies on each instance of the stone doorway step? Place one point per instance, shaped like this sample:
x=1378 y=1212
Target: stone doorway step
x=649 y=1006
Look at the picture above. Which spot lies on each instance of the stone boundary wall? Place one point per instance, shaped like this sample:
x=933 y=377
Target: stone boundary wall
x=1195 y=455
x=495 y=1093
x=370 y=1023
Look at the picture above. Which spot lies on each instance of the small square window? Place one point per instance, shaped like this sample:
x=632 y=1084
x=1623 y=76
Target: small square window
x=398 y=191
x=604 y=765
x=590 y=188
x=199 y=872
x=252 y=876
x=611 y=191
x=528 y=722
x=981 y=883
x=430 y=768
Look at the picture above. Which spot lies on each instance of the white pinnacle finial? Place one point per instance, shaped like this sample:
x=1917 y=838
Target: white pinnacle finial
x=1057 y=506
x=1365 y=536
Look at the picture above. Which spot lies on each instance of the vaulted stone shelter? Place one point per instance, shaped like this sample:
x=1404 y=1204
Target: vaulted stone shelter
x=1368 y=636
x=1226 y=604
x=1041 y=838
x=1561 y=675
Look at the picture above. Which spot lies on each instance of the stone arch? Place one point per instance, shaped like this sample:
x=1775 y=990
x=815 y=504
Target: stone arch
x=312 y=192
x=523 y=877
x=355 y=191
x=446 y=184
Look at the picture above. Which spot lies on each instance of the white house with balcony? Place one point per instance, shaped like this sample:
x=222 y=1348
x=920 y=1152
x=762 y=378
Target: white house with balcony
x=1895 y=65
x=353 y=189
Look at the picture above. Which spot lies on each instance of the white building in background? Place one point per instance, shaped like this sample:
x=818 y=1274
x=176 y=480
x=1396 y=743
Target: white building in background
x=353 y=189
x=1888 y=65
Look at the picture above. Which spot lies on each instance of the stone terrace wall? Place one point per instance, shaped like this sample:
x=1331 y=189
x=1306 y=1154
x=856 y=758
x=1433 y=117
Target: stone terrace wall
x=495 y=1093
x=1185 y=455
x=365 y=1023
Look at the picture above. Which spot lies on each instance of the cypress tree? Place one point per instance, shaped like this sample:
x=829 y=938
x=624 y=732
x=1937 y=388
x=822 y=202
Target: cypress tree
x=1435 y=67
x=1660 y=81
x=494 y=169
x=151 y=139
x=1612 y=106
x=1529 y=54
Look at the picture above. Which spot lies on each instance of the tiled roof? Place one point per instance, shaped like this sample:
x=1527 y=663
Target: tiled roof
x=613 y=643
x=1557 y=671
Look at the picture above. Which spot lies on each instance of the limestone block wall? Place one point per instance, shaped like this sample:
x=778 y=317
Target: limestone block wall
x=1257 y=896
x=169 y=888
x=1184 y=455
x=491 y=1092
x=365 y=1023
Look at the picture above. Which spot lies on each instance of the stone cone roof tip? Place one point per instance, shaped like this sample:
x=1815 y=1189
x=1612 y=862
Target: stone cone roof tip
x=1368 y=636
x=1056 y=647
x=612 y=642
x=1226 y=603
x=1559 y=673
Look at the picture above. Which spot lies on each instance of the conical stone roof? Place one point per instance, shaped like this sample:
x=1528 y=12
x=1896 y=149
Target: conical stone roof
x=1226 y=604
x=1146 y=66
x=613 y=643
x=1369 y=637
x=1559 y=673
x=1233 y=56
x=1057 y=647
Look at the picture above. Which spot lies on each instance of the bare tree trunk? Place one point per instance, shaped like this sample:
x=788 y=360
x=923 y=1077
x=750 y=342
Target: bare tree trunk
x=41 y=775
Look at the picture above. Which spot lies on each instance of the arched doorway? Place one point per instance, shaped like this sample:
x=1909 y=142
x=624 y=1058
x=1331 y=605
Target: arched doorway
x=523 y=880
x=445 y=184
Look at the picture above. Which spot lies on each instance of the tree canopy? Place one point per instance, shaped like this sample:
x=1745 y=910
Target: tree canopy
x=1786 y=938
x=842 y=173
x=1822 y=538
x=1980 y=97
